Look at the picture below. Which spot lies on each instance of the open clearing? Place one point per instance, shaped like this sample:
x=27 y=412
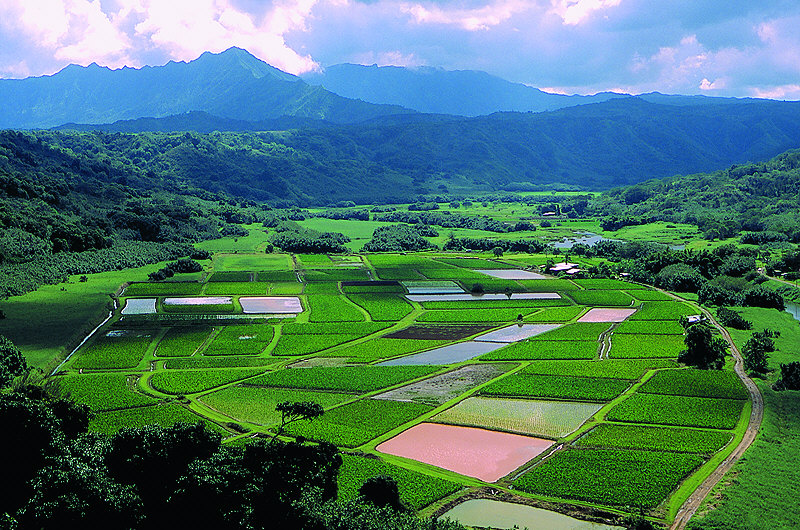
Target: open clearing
x=486 y=455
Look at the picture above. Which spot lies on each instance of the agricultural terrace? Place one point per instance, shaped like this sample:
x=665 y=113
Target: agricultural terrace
x=531 y=382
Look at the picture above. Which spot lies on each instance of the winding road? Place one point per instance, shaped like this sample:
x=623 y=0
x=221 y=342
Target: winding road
x=688 y=509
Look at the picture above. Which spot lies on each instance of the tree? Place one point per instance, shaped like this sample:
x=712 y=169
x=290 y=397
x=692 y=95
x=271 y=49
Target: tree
x=790 y=377
x=12 y=362
x=292 y=411
x=477 y=288
x=756 y=348
x=381 y=491
x=703 y=350
x=497 y=251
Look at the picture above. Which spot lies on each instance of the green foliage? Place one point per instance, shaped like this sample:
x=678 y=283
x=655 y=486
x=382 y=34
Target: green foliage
x=396 y=238
x=356 y=423
x=237 y=288
x=645 y=346
x=164 y=414
x=629 y=478
x=380 y=348
x=600 y=284
x=384 y=307
x=556 y=314
x=106 y=352
x=655 y=438
x=524 y=304
x=559 y=387
x=163 y=289
x=577 y=331
x=305 y=344
x=12 y=362
x=104 y=391
x=702 y=349
x=649 y=327
x=333 y=308
x=790 y=377
x=228 y=361
x=417 y=490
x=193 y=381
x=698 y=383
x=182 y=341
x=241 y=340
x=663 y=311
x=230 y=276
x=611 y=368
x=679 y=410
x=258 y=404
x=756 y=348
x=732 y=319
x=647 y=295
x=357 y=379
x=473 y=315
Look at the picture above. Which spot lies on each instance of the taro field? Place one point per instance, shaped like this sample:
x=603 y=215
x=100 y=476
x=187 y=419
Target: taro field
x=562 y=389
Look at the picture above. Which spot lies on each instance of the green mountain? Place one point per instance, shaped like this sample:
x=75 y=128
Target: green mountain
x=232 y=84
x=600 y=146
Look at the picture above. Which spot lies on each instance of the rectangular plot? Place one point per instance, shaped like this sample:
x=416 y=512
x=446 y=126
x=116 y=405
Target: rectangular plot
x=601 y=298
x=234 y=288
x=646 y=295
x=473 y=315
x=698 y=383
x=162 y=289
x=383 y=307
x=108 y=352
x=416 y=489
x=616 y=369
x=477 y=263
x=629 y=478
x=552 y=419
x=357 y=423
x=227 y=361
x=193 y=381
x=549 y=285
x=513 y=274
x=441 y=332
x=139 y=306
x=577 y=331
x=454 y=353
x=104 y=391
x=182 y=341
x=516 y=332
x=488 y=297
x=305 y=344
x=650 y=327
x=333 y=308
x=645 y=346
x=442 y=388
x=231 y=276
x=602 y=314
x=678 y=410
x=164 y=414
x=655 y=438
x=663 y=311
x=271 y=304
x=241 y=340
x=278 y=288
x=605 y=283
x=277 y=276
x=555 y=314
x=359 y=379
x=432 y=287
x=559 y=387
x=257 y=404
x=382 y=348
x=540 y=349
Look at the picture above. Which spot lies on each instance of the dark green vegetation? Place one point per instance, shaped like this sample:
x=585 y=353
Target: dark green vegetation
x=559 y=387
x=655 y=438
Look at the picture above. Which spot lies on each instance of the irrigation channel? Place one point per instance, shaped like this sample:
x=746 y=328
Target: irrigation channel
x=688 y=509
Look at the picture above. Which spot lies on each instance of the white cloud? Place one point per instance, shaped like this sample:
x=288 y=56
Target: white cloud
x=778 y=92
x=574 y=12
x=390 y=58
x=477 y=19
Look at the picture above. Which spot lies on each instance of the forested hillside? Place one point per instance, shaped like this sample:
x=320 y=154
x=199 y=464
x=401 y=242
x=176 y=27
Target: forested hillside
x=597 y=146
x=761 y=199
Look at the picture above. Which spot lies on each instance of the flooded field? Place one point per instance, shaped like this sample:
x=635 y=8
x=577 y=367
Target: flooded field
x=516 y=332
x=139 y=306
x=602 y=314
x=432 y=287
x=511 y=274
x=454 y=353
x=271 y=304
x=442 y=388
x=198 y=300
x=485 y=455
x=439 y=332
x=487 y=513
x=484 y=297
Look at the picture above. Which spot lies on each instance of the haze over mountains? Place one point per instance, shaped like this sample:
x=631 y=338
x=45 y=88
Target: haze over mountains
x=330 y=146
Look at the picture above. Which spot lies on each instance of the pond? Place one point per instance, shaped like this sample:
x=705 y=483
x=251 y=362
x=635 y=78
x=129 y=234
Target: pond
x=487 y=513
x=454 y=353
x=271 y=304
x=793 y=309
x=589 y=239
x=139 y=306
x=432 y=287
x=198 y=300
x=468 y=297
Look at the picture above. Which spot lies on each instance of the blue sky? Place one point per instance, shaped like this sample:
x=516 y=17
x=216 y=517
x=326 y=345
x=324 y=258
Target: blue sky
x=732 y=48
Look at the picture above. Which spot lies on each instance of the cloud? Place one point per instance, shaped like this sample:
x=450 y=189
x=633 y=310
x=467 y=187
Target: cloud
x=390 y=58
x=778 y=92
x=476 y=19
x=573 y=12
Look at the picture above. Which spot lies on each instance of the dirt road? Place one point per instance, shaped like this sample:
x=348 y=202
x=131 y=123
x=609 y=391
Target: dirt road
x=688 y=509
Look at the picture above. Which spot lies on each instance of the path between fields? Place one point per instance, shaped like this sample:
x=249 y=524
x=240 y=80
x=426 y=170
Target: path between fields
x=692 y=504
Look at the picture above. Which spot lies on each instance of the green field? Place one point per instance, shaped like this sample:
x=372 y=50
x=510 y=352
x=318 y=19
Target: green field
x=678 y=410
x=193 y=381
x=545 y=349
x=558 y=387
x=357 y=379
x=655 y=438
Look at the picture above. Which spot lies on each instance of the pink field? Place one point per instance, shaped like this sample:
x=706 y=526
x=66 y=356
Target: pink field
x=485 y=455
x=603 y=314
x=270 y=304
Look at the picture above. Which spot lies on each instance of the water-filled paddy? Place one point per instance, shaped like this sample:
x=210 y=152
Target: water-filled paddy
x=454 y=353
x=442 y=388
x=486 y=455
x=604 y=314
x=483 y=297
x=432 y=287
x=139 y=306
x=271 y=304
x=553 y=419
x=516 y=332
x=487 y=513
x=511 y=274
x=198 y=300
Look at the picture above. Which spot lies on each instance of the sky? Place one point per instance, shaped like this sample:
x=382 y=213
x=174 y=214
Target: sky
x=741 y=48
